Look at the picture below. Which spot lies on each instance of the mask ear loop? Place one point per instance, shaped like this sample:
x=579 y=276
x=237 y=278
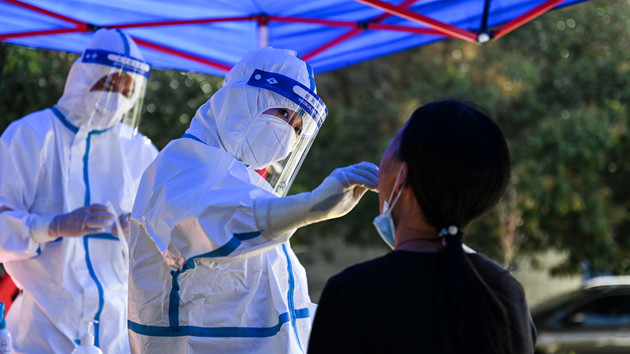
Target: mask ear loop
x=390 y=203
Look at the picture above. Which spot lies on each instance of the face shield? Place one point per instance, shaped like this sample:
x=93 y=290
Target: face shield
x=279 y=138
x=118 y=90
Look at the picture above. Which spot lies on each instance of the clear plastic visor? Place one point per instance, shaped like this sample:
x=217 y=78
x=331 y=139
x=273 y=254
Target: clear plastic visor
x=118 y=92
x=301 y=113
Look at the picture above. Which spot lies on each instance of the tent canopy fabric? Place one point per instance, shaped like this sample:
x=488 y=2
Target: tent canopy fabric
x=209 y=36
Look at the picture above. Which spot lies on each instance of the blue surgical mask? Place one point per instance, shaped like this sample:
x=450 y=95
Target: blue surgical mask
x=384 y=223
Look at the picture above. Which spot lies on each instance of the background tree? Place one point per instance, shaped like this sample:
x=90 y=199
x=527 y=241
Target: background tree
x=557 y=86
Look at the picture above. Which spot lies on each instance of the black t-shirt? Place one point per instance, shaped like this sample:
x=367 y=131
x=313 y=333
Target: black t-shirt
x=394 y=304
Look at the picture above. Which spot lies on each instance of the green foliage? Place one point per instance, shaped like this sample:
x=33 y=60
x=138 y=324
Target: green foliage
x=558 y=87
x=30 y=80
x=571 y=156
x=171 y=102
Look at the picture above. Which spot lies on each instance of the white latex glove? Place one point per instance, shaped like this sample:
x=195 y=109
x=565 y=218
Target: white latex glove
x=123 y=224
x=336 y=196
x=92 y=219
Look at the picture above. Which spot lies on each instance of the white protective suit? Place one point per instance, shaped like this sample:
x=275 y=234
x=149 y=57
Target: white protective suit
x=51 y=163
x=205 y=276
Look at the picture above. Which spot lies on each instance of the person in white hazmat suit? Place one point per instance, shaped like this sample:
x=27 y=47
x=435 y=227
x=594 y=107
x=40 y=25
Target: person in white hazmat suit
x=211 y=267
x=68 y=174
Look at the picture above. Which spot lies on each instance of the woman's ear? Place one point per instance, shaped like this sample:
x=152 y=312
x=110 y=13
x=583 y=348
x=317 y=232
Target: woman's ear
x=403 y=173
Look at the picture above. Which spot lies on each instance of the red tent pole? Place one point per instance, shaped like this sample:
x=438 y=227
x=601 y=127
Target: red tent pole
x=47 y=13
x=356 y=31
x=333 y=23
x=200 y=21
x=316 y=21
x=526 y=17
x=385 y=15
x=445 y=28
x=378 y=26
x=414 y=30
x=177 y=53
x=7 y=36
x=332 y=43
x=80 y=27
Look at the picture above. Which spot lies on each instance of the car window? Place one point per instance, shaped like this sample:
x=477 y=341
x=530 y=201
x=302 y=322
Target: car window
x=602 y=312
x=553 y=304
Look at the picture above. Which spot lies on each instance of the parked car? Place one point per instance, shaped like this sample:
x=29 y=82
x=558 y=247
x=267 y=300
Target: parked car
x=592 y=320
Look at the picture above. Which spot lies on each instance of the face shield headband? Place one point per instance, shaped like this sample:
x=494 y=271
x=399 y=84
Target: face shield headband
x=305 y=113
x=299 y=94
x=115 y=60
x=119 y=91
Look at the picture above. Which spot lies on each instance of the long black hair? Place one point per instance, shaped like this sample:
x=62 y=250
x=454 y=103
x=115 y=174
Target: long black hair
x=459 y=167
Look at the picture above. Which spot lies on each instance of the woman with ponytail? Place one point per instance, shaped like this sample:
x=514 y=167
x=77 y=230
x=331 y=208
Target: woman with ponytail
x=449 y=165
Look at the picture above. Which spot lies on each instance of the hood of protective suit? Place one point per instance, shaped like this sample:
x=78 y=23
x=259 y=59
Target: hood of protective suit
x=224 y=120
x=74 y=103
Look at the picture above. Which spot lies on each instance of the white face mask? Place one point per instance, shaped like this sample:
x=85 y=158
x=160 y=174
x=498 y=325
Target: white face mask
x=109 y=108
x=384 y=223
x=268 y=139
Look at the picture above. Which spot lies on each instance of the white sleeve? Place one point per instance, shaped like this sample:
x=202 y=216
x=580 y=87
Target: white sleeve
x=20 y=168
x=334 y=197
x=197 y=201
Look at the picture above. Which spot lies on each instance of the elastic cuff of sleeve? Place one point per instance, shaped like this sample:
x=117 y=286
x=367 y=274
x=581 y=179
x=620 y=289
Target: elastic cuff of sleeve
x=261 y=207
x=278 y=216
x=39 y=228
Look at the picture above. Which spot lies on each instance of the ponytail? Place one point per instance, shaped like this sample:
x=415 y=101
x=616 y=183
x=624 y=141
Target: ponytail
x=481 y=321
x=459 y=166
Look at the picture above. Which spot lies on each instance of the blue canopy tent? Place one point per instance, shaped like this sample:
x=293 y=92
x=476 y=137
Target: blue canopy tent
x=210 y=36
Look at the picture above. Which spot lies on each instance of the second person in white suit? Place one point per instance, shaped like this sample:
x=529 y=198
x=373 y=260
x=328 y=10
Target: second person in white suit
x=60 y=169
